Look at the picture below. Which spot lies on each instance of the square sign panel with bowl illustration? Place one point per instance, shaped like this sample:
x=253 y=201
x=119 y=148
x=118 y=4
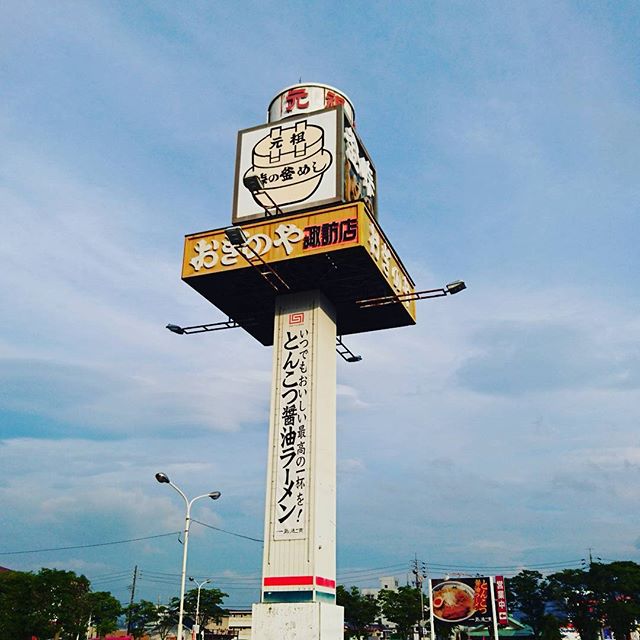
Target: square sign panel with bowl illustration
x=287 y=166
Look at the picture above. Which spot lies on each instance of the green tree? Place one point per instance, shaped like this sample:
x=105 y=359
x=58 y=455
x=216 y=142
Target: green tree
x=142 y=617
x=528 y=594
x=603 y=594
x=49 y=604
x=402 y=607
x=572 y=591
x=105 y=611
x=60 y=603
x=210 y=609
x=617 y=588
x=550 y=628
x=16 y=616
x=166 y=621
x=359 y=610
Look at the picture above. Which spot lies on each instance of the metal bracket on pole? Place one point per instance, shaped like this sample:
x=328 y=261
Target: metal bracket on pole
x=400 y=298
x=203 y=328
x=277 y=209
x=341 y=348
x=395 y=298
x=265 y=270
x=344 y=352
x=254 y=184
x=239 y=241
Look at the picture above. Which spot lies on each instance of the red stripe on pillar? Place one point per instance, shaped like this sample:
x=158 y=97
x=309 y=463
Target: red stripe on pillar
x=325 y=582
x=286 y=581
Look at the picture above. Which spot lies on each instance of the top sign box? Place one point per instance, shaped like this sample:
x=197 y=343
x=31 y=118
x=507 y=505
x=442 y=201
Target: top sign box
x=300 y=163
x=304 y=98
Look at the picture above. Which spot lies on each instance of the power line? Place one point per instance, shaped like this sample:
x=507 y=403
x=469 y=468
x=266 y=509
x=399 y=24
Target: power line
x=116 y=574
x=215 y=580
x=397 y=567
x=374 y=572
x=545 y=565
x=231 y=533
x=87 y=546
x=105 y=544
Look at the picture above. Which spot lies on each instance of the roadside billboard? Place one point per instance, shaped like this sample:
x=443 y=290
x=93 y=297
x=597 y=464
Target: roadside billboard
x=462 y=601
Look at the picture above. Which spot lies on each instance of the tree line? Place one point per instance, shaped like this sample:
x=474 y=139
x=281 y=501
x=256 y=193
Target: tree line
x=591 y=599
x=61 y=605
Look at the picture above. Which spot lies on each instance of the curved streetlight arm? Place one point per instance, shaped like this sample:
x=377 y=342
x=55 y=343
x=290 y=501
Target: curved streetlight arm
x=181 y=492
x=201 y=584
x=204 y=495
x=164 y=479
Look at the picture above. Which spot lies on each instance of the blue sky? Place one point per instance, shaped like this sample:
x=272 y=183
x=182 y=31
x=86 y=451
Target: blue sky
x=502 y=430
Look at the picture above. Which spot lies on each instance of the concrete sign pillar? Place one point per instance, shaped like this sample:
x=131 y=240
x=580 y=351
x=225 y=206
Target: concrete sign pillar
x=299 y=562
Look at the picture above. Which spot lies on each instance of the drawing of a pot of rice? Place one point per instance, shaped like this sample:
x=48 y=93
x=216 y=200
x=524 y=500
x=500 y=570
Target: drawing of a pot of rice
x=452 y=601
x=289 y=164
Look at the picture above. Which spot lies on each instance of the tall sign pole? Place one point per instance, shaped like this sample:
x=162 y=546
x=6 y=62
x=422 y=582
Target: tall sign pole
x=305 y=262
x=299 y=564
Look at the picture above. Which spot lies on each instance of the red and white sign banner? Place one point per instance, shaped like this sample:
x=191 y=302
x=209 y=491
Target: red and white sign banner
x=501 y=601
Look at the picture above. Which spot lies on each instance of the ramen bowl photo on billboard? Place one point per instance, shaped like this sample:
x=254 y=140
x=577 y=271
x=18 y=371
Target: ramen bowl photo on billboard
x=452 y=601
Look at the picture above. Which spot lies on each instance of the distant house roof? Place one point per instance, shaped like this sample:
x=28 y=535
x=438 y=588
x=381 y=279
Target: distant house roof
x=5 y=569
x=515 y=629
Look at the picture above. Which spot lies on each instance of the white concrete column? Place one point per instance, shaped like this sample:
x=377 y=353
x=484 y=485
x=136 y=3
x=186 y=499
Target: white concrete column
x=299 y=561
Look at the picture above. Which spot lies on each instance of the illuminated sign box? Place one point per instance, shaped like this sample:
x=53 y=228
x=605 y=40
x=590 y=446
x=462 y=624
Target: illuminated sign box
x=301 y=163
x=305 y=98
x=340 y=251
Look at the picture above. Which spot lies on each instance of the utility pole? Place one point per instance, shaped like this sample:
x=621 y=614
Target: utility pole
x=133 y=595
x=584 y=561
x=420 y=572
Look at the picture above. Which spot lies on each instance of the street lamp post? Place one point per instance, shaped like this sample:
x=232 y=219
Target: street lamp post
x=162 y=478
x=200 y=585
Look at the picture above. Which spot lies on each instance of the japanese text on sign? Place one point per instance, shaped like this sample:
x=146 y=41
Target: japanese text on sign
x=380 y=252
x=360 y=164
x=209 y=253
x=330 y=233
x=293 y=446
x=480 y=595
x=501 y=601
x=297 y=99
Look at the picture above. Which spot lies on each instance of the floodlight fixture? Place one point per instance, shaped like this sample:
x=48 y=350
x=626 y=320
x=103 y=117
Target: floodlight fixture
x=256 y=186
x=174 y=328
x=455 y=287
x=162 y=478
x=236 y=236
x=253 y=183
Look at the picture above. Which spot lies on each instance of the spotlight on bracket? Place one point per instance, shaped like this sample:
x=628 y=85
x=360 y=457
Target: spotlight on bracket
x=253 y=183
x=236 y=236
x=455 y=287
x=174 y=328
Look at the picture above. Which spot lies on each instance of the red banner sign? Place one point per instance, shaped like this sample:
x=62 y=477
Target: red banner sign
x=501 y=602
